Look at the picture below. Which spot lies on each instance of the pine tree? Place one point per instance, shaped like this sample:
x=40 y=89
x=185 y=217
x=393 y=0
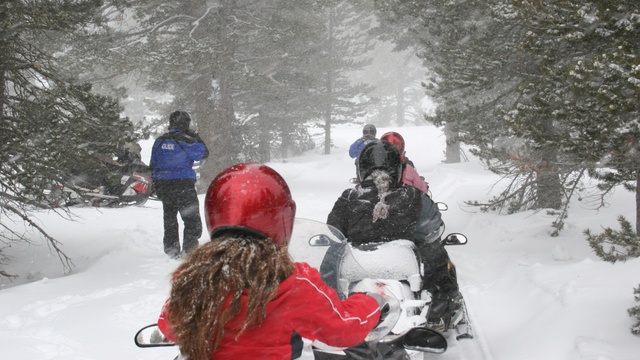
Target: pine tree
x=588 y=94
x=396 y=78
x=545 y=92
x=469 y=47
x=342 y=43
x=473 y=49
x=635 y=312
x=249 y=72
x=50 y=126
x=612 y=245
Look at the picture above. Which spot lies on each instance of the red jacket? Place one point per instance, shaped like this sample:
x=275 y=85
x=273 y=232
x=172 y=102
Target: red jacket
x=305 y=307
x=412 y=178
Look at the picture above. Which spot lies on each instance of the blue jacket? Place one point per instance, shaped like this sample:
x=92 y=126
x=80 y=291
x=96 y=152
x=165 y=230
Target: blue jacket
x=174 y=153
x=356 y=147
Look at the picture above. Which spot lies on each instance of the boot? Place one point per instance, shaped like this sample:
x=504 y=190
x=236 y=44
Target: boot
x=439 y=314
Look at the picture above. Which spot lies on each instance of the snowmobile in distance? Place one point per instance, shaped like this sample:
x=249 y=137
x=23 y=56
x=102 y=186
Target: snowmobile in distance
x=120 y=182
x=135 y=189
x=391 y=270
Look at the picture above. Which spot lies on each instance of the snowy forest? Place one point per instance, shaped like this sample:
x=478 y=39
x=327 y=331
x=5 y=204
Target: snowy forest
x=546 y=94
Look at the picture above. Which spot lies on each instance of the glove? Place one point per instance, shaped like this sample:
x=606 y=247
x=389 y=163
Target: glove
x=384 y=306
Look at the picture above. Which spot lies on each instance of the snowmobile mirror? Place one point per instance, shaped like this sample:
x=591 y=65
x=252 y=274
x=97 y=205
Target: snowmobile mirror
x=442 y=206
x=455 y=239
x=425 y=340
x=151 y=336
x=354 y=181
x=320 y=240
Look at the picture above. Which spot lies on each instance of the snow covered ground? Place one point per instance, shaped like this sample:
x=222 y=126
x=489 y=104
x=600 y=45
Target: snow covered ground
x=530 y=296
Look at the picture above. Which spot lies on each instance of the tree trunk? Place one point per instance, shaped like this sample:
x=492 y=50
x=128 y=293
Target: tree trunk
x=219 y=129
x=328 y=112
x=327 y=116
x=638 y=201
x=452 y=152
x=549 y=187
x=384 y=115
x=287 y=145
x=264 y=143
x=2 y=93
x=327 y=132
x=400 y=100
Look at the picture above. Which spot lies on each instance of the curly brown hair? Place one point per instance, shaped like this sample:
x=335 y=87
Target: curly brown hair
x=207 y=287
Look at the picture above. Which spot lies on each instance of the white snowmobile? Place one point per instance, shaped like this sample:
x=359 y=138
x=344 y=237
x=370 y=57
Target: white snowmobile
x=394 y=266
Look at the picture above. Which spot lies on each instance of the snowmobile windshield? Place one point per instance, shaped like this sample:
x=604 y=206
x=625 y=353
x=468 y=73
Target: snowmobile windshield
x=325 y=248
x=310 y=241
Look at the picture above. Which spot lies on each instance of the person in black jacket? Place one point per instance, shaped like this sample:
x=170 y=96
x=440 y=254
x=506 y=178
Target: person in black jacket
x=172 y=158
x=381 y=209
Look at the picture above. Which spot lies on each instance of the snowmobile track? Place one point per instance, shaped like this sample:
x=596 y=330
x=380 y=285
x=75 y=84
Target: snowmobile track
x=464 y=349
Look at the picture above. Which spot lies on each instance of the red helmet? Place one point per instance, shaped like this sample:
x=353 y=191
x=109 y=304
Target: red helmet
x=250 y=198
x=394 y=138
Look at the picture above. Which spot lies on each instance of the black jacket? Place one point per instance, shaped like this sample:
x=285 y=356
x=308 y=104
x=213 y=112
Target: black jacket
x=412 y=215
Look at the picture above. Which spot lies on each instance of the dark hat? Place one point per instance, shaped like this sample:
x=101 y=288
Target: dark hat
x=369 y=129
x=179 y=119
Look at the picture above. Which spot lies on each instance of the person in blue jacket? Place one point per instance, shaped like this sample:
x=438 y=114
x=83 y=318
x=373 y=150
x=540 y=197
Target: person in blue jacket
x=368 y=134
x=174 y=179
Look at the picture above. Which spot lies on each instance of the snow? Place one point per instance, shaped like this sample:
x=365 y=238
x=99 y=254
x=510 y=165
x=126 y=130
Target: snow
x=530 y=296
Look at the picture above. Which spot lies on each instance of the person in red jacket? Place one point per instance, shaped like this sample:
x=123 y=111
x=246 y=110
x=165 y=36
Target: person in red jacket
x=410 y=176
x=240 y=296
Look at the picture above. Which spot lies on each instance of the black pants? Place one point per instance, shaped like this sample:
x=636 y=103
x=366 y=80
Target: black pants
x=440 y=279
x=179 y=196
x=364 y=351
x=440 y=275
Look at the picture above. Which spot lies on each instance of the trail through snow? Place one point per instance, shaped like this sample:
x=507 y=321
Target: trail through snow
x=530 y=296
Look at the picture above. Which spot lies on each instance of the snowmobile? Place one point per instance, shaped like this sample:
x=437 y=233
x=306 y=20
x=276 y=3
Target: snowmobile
x=121 y=182
x=396 y=267
x=392 y=270
x=135 y=189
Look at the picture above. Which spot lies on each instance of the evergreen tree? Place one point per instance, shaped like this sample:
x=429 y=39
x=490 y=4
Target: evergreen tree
x=49 y=126
x=343 y=41
x=92 y=55
x=544 y=91
x=275 y=100
x=396 y=78
x=585 y=105
x=472 y=48
x=469 y=55
x=635 y=312
x=614 y=245
x=250 y=72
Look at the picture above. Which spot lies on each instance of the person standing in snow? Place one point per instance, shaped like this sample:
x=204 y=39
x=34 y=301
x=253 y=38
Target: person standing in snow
x=240 y=296
x=410 y=176
x=368 y=134
x=382 y=209
x=172 y=158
